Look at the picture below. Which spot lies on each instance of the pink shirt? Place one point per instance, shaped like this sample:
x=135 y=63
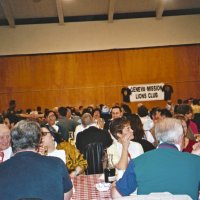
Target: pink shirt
x=193 y=127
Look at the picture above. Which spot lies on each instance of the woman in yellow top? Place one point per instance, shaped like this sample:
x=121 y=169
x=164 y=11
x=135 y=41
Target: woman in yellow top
x=75 y=162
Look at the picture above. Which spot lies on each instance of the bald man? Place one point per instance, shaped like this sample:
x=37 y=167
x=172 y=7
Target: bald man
x=5 y=148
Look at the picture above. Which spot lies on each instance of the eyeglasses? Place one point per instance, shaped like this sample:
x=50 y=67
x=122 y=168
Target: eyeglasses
x=51 y=116
x=44 y=133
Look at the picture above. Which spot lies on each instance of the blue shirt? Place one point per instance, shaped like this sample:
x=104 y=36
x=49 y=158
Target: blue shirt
x=162 y=170
x=30 y=175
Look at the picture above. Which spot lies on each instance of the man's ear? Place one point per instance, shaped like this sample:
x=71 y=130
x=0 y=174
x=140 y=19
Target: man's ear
x=181 y=142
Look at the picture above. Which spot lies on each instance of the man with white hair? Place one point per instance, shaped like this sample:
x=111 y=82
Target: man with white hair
x=91 y=134
x=5 y=148
x=165 y=169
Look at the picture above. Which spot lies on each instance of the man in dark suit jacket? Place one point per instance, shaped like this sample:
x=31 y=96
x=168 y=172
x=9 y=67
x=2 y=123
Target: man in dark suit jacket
x=92 y=134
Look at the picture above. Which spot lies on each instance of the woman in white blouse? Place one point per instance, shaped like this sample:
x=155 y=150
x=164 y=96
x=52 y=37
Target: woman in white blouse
x=123 y=149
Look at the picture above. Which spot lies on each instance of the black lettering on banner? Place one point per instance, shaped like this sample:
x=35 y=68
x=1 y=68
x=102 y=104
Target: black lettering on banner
x=154 y=88
x=133 y=89
x=152 y=95
x=141 y=96
x=137 y=89
x=142 y=89
x=157 y=88
x=149 y=88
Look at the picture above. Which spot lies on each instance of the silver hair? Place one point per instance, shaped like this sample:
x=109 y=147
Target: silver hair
x=169 y=130
x=86 y=119
x=25 y=135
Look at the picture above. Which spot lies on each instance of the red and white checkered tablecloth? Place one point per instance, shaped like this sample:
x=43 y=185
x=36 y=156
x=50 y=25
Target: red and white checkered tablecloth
x=84 y=188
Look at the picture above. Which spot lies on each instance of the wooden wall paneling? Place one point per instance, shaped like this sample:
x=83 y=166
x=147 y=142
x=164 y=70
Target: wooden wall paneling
x=185 y=90
x=18 y=74
x=45 y=99
x=90 y=96
x=23 y=98
x=4 y=101
x=43 y=70
x=3 y=67
x=68 y=97
x=113 y=95
x=110 y=74
x=143 y=66
x=182 y=64
x=187 y=79
x=70 y=74
x=97 y=77
x=85 y=73
x=95 y=68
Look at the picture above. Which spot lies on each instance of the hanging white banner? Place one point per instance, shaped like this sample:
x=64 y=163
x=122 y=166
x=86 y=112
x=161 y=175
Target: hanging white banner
x=146 y=92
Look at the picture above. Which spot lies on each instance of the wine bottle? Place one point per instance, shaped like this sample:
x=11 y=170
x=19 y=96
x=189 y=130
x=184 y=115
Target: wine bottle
x=109 y=171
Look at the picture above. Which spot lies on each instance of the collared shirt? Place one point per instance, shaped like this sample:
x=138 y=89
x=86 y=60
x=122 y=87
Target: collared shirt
x=167 y=145
x=55 y=126
x=59 y=154
x=135 y=149
x=7 y=153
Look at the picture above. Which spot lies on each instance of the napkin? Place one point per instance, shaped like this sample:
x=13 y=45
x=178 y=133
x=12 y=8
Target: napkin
x=103 y=186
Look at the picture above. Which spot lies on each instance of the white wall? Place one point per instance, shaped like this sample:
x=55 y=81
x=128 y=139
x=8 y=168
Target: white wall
x=100 y=35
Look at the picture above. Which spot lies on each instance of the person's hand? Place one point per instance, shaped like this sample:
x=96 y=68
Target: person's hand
x=72 y=174
x=196 y=149
x=42 y=150
x=197 y=137
x=78 y=170
x=113 y=184
x=125 y=139
x=100 y=123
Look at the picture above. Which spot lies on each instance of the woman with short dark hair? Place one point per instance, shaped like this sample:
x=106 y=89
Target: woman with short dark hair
x=138 y=132
x=122 y=148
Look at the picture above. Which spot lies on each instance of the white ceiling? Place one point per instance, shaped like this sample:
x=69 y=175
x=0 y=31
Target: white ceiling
x=16 y=12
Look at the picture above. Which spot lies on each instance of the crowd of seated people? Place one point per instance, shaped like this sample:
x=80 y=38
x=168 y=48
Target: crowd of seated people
x=122 y=133
x=68 y=118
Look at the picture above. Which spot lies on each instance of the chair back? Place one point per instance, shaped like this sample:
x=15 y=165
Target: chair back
x=93 y=153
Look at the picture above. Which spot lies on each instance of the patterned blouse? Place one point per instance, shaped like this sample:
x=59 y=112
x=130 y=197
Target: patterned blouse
x=73 y=157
